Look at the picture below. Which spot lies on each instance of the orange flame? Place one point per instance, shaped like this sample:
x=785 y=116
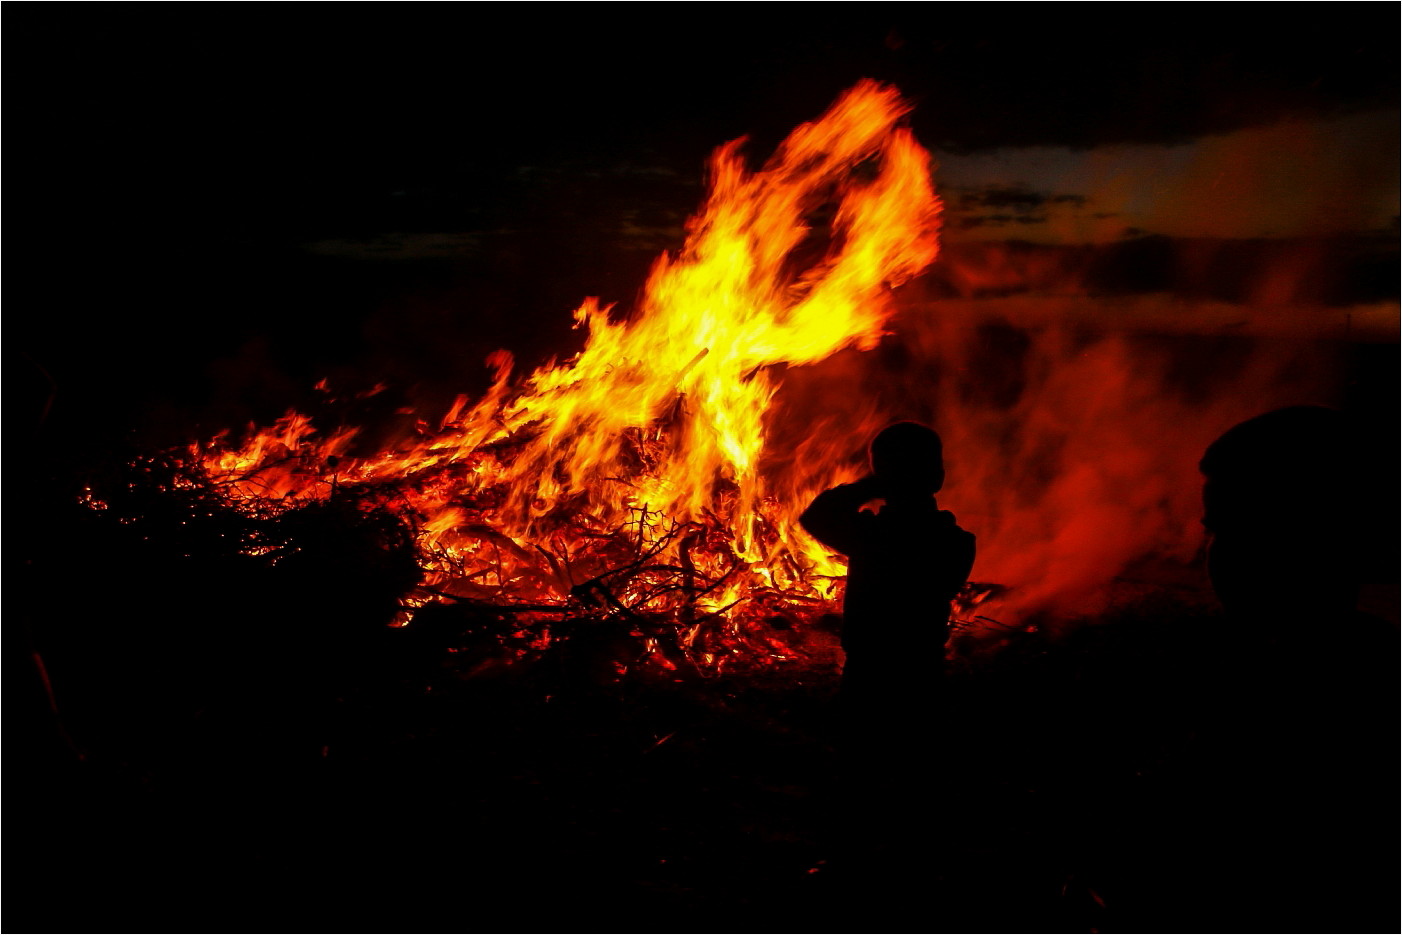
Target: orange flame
x=655 y=433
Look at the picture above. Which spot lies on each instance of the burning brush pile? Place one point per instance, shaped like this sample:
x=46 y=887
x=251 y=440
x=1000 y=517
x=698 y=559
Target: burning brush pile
x=639 y=483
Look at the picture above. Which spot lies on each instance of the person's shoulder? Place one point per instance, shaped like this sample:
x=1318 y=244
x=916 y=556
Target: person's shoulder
x=951 y=523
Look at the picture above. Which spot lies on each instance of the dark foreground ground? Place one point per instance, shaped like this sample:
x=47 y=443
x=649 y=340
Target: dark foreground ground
x=1149 y=773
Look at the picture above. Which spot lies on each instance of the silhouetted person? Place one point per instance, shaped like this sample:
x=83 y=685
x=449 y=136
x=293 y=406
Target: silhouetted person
x=907 y=559
x=1283 y=502
x=1284 y=808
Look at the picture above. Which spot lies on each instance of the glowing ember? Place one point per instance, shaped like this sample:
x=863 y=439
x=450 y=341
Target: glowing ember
x=637 y=474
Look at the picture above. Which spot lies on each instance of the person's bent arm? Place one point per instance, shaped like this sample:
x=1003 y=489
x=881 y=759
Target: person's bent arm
x=834 y=517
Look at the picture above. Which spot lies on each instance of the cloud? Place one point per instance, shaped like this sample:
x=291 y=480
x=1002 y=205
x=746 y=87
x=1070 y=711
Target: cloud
x=1295 y=178
x=1000 y=206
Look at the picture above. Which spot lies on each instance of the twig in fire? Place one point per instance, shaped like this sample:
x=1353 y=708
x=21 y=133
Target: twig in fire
x=969 y=598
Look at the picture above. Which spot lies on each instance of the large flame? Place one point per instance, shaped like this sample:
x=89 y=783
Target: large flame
x=657 y=474
x=650 y=443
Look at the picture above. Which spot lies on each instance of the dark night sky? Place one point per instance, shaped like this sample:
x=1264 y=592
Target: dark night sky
x=199 y=192
x=252 y=122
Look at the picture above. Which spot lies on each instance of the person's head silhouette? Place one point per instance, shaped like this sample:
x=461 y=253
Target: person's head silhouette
x=908 y=459
x=1283 y=500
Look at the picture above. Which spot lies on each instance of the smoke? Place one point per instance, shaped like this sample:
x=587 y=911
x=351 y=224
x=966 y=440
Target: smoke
x=1071 y=438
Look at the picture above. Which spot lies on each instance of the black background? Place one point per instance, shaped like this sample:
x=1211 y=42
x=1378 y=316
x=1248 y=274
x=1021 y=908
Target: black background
x=170 y=164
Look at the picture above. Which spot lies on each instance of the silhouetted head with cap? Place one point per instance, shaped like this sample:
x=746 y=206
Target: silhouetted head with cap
x=908 y=459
